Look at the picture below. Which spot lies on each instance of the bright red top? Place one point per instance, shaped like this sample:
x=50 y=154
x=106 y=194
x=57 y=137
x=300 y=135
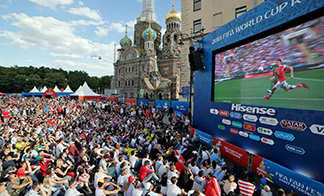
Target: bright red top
x=144 y=170
x=280 y=72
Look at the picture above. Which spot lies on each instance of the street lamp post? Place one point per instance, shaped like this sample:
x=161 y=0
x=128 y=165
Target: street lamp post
x=191 y=37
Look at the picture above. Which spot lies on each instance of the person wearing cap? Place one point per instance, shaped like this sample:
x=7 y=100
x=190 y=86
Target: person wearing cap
x=129 y=186
x=73 y=151
x=258 y=189
x=112 y=189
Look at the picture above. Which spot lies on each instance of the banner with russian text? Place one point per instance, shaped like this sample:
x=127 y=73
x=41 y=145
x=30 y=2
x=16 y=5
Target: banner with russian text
x=232 y=152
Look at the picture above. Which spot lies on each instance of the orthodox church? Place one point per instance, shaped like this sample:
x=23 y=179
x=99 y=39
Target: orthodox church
x=147 y=68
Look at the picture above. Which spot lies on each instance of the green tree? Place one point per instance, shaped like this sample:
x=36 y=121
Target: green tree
x=104 y=83
x=77 y=78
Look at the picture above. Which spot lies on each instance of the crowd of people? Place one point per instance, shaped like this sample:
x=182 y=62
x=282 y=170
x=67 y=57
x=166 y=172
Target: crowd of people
x=59 y=146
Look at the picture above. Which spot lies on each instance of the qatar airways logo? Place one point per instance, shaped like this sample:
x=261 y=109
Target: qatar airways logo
x=253 y=110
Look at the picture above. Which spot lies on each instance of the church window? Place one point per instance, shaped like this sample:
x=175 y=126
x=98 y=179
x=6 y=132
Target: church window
x=175 y=40
x=118 y=83
x=143 y=68
x=125 y=83
x=132 y=82
x=132 y=69
x=168 y=39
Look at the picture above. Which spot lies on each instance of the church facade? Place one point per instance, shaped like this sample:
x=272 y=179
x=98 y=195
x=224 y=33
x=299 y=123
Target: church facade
x=143 y=69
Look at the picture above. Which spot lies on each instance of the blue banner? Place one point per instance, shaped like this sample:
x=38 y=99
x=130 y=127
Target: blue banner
x=204 y=138
x=290 y=180
x=143 y=103
x=177 y=114
x=162 y=104
x=181 y=106
x=120 y=100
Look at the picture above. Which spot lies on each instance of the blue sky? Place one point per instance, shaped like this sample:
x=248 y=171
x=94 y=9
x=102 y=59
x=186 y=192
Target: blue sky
x=66 y=33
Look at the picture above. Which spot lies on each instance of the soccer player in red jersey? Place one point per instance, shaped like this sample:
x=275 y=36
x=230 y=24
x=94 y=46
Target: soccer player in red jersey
x=282 y=82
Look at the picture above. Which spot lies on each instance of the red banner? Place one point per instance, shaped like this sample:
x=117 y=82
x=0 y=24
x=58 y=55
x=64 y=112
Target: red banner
x=258 y=166
x=191 y=131
x=130 y=101
x=114 y=99
x=232 y=152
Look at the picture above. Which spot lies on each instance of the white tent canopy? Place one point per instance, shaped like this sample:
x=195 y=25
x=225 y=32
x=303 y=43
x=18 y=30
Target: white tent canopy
x=56 y=89
x=84 y=91
x=87 y=91
x=34 y=90
x=44 y=89
x=68 y=89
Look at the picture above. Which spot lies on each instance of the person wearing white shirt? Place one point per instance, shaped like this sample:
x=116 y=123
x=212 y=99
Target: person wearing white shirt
x=134 y=160
x=195 y=192
x=199 y=182
x=122 y=179
x=194 y=168
x=173 y=189
x=37 y=187
x=72 y=191
x=163 y=168
x=159 y=162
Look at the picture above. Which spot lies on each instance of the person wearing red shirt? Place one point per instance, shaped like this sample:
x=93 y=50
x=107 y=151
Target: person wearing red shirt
x=74 y=152
x=145 y=173
x=282 y=81
x=212 y=188
x=246 y=187
x=26 y=169
x=179 y=165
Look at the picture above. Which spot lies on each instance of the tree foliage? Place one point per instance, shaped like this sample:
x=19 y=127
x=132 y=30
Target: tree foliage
x=22 y=79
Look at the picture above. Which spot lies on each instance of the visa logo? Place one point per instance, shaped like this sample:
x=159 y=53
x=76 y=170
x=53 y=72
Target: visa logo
x=317 y=129
x=284 y=136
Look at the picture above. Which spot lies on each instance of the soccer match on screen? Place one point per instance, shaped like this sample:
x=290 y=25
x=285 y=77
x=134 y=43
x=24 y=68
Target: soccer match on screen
x=285 y=69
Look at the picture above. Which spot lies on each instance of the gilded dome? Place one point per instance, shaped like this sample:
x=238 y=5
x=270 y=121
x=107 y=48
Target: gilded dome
x=173 y=15
x=149 y=33
x=125 y=41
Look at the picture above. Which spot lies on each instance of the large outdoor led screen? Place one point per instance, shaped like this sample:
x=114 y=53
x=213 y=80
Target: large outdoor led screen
x=242 y=74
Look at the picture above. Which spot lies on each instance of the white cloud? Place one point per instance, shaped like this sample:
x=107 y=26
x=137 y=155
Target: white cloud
x=57 y=37
x=52 y=3
x=101 y=31
x=117 y=27
x=28 y=60
x=87 y=12
x=4 y=6
x=66 y=55
x=94 y=68
x=86 y=22
x=80 y=3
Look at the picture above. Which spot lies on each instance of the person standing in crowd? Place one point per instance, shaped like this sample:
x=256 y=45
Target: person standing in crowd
x=246 y=187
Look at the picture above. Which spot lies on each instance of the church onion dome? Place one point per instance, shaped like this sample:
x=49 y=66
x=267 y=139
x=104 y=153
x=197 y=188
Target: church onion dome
x=125 y=41
x=173 y=15
x=149 y=33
